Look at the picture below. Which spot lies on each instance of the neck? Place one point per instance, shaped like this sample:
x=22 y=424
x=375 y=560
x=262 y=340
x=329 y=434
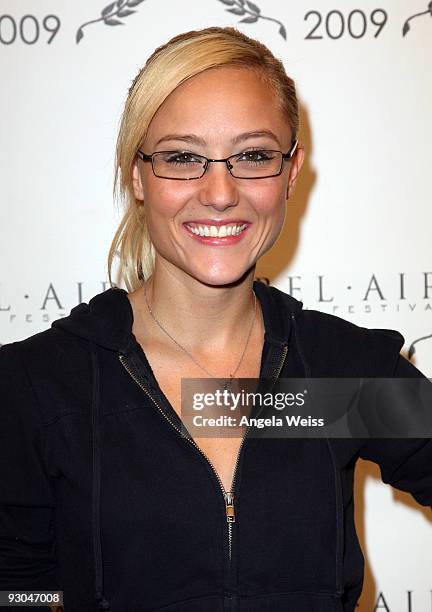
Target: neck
x=204 y=317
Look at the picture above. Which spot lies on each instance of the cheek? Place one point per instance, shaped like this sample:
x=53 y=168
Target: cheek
x=277 y=219
x=163 y=202
x=270 y=201
x=163 y=199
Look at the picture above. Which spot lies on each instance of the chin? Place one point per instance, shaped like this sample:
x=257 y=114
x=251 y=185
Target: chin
x=222 y=278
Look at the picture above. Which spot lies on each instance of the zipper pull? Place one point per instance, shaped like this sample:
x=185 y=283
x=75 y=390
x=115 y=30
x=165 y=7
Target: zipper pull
x=229 y=501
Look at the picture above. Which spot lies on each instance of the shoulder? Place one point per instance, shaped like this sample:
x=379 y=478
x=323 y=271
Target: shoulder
x=324 y=326
x=334 y=344
x=339 y=346
x=43 y=368
x=45 y=350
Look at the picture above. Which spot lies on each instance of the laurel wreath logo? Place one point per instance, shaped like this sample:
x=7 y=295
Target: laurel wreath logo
x=109 y=15
x=406 y=27
x=412 y=350
x=112 y=14
x=252 y=12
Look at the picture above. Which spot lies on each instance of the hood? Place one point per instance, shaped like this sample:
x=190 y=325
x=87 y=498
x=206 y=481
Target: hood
x=108 y=317
x=106 y=320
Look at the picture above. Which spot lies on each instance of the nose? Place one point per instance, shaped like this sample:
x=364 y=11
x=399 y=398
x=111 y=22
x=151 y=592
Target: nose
x=218 y=187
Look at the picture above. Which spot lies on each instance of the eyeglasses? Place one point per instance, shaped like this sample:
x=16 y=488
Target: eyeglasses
x=185 y=166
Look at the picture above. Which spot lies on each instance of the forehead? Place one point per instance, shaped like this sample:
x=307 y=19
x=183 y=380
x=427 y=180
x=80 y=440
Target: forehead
x=221 y=102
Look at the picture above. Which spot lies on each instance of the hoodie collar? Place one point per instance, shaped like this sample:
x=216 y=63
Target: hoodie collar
x=108 y=317
x=106 y=320
x=279 y=309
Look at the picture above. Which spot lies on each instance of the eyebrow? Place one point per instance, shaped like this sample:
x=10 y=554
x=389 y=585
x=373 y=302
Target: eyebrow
x=194 y=139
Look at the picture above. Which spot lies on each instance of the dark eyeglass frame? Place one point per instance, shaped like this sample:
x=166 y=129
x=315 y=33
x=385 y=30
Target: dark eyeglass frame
x=285 y=156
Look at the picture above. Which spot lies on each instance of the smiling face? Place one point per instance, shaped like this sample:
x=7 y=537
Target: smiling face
x=218 y=113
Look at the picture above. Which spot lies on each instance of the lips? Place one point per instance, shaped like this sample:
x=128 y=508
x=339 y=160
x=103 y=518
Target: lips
x=217 y=222
x=217 y=232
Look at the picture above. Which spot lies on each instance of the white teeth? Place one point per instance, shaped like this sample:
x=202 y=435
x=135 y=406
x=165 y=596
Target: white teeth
x=217 y=231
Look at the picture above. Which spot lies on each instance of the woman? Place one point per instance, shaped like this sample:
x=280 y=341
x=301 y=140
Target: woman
x=103 y=497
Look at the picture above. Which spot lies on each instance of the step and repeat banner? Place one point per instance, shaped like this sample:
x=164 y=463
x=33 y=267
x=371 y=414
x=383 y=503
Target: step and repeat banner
x=358 y=232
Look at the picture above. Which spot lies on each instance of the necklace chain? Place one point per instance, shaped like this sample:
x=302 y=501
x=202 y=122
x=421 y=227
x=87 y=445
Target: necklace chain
x=228 y=384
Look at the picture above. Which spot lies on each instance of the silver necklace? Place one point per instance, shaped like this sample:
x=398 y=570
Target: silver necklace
x=228 y=384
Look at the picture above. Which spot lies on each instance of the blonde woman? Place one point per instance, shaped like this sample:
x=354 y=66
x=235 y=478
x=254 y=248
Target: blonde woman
x=102 y=496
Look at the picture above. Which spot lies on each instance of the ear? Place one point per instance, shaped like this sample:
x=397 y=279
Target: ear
x=137 y=182
x=296 y=164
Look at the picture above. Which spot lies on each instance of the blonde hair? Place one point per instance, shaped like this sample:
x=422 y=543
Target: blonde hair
x=181 y=58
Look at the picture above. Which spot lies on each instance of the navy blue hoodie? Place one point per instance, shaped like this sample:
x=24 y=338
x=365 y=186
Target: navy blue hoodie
x=103 y=498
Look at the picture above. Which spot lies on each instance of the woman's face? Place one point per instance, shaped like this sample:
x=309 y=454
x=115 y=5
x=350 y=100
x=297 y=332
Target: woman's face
x=217 y=114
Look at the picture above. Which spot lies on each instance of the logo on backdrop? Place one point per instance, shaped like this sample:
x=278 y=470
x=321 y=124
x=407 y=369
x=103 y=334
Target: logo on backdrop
x=407 y=25
x=412 y=348
x=370 y=294
x=386 y=603
x=112 y=14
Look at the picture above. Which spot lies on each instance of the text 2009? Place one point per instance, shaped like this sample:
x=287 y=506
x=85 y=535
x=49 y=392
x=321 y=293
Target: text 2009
x=336 y=24
x=29 y=29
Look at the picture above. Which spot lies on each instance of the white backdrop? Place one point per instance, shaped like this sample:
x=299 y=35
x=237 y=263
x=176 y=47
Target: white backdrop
x=357 y=240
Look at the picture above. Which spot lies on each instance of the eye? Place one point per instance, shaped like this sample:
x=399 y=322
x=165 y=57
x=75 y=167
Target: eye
x=255 y=157
x=177 y=158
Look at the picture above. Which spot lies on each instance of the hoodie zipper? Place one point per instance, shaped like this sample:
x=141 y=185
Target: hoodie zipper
x=228 y=495
x=282 y=361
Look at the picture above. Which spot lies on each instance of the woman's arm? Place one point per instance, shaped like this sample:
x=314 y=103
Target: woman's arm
x=27 y=548
x=405 y=463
